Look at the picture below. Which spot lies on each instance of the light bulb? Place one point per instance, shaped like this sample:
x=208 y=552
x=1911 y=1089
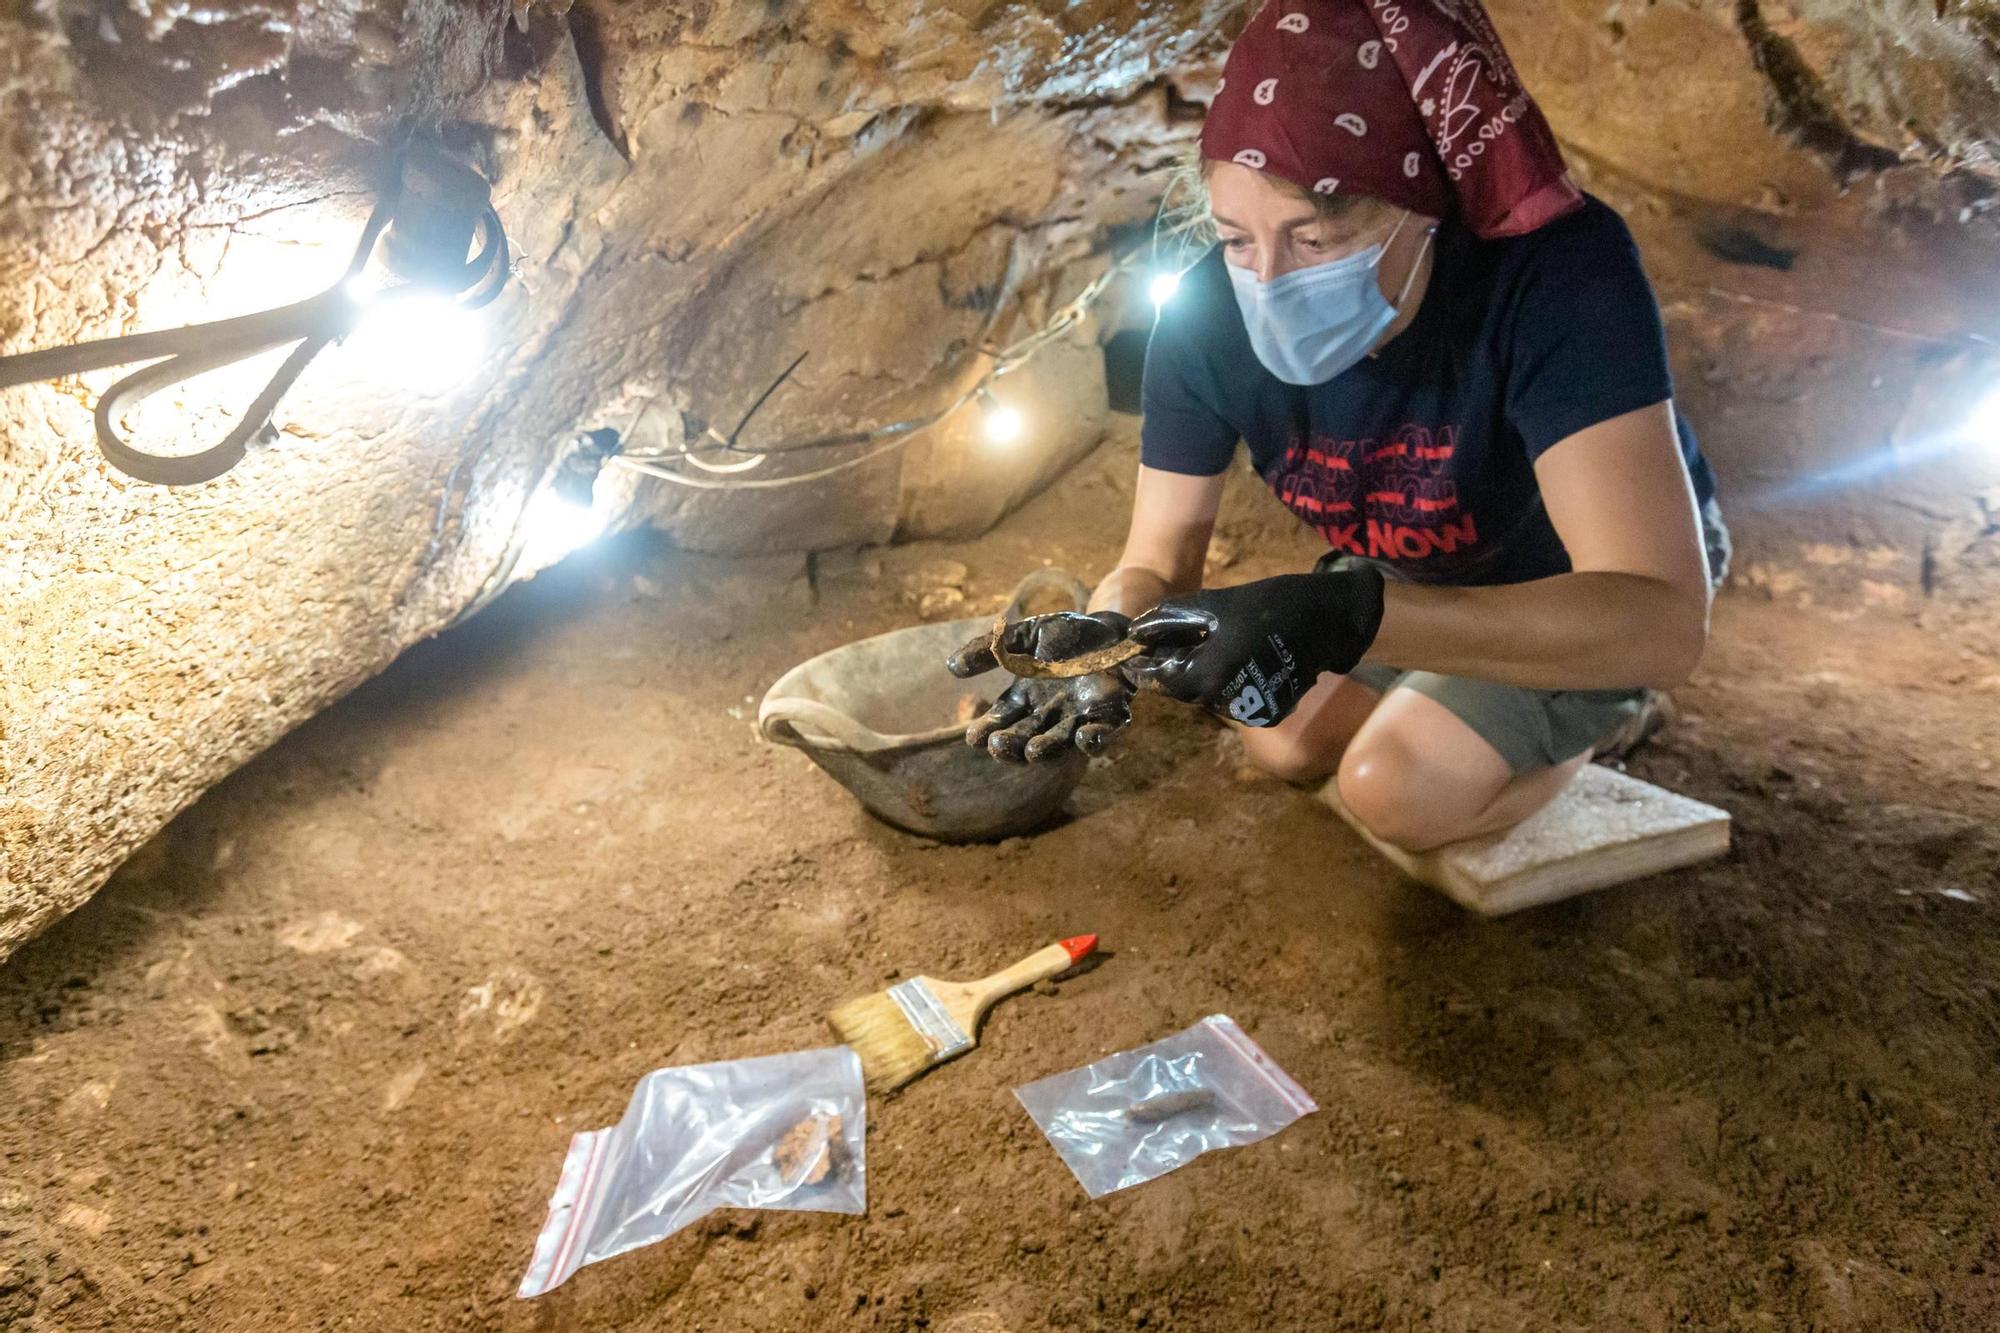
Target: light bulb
x=1003 y=424
x=415 y=339
x=1163 y=287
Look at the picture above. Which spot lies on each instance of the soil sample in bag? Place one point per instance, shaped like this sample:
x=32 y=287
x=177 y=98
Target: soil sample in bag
x=809 y=1150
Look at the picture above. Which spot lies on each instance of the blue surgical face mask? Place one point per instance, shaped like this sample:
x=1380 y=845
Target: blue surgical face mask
x=1308 y=325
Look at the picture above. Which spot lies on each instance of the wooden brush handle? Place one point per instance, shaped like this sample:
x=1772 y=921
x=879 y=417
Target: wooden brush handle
x=1037 y=966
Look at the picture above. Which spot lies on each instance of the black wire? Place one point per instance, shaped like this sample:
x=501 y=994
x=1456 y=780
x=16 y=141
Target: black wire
x=772 y=388
x=177 y=355
x=865 y=435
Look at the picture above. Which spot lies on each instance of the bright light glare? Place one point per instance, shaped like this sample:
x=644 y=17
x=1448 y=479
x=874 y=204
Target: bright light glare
x=1983 y=426
x=554 y=527
x=419 y=340
x=1003 y=424
x=1978 y=427
x=1164 y=286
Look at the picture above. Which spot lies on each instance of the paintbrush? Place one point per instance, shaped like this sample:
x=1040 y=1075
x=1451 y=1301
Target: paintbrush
x=901 y=1032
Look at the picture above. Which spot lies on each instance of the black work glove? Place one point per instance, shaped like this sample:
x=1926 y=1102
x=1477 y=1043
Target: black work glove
x=1250 y=653
x=1038 y=719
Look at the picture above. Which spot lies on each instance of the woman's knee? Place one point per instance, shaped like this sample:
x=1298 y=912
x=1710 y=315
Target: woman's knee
x=1403 y=800
x=1376 y=784
x=1290 y=755
x=1307 y=746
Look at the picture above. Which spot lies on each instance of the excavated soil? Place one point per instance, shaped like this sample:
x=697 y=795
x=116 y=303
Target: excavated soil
x=312 y=1059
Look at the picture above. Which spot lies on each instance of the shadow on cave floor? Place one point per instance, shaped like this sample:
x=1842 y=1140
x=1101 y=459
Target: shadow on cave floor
x=312 y=1059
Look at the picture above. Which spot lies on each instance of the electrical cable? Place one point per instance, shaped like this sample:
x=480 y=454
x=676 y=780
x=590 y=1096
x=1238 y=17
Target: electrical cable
x=1961 y=341
x=652 y=469
x=893 y=435
x=727 y=443
x=726 y=476
x=896 y=434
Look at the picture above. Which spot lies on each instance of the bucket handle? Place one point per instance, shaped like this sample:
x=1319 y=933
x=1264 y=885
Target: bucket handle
x=827 y=728
x=1035 y=580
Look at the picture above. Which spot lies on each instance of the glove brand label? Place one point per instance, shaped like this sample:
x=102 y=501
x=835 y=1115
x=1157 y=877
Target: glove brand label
x=1247 y=707
x=1267 y=688
x=1249 y=653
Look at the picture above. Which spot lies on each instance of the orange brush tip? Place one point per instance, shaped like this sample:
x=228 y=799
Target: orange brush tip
x=1078 y=946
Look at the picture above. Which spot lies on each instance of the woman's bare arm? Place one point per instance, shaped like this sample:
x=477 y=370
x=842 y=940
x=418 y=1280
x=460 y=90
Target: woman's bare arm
x=1634 y=612
x=1173 y=516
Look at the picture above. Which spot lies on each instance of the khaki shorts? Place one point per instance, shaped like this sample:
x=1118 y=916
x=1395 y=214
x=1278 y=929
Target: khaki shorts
x=1536 y=728
x=1530 y=728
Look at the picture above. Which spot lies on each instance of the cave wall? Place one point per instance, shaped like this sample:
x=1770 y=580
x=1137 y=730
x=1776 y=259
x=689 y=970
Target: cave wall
x=694 y=194
x=1813 y=189
x=697 y=193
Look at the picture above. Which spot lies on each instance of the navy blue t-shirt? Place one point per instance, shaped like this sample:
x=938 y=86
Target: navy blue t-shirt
x=1422 y=456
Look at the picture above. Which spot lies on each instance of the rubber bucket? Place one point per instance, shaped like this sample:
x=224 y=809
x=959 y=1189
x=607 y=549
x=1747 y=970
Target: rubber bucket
x=882 y=716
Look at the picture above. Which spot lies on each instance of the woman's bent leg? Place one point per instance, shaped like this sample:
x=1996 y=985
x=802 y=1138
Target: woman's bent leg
x=1307 y=746
x=1418 y=776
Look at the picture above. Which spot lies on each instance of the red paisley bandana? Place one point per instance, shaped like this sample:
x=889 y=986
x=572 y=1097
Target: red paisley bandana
x=1411 y=101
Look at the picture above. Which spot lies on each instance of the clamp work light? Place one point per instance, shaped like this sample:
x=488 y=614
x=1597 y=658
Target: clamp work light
x=428 y=219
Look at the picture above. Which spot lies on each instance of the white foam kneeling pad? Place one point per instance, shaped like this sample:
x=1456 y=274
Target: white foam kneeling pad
x=1606 y=828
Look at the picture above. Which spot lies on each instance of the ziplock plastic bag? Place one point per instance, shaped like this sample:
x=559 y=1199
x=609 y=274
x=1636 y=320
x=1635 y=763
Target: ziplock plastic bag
x=781 y=1131
x=1139 y=1114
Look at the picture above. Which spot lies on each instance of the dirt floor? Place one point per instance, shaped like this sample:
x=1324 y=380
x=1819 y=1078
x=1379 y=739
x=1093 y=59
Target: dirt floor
x=312 y=1060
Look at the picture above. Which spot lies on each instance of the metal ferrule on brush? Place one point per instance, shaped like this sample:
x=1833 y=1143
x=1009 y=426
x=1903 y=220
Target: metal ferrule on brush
x=927 y=1015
